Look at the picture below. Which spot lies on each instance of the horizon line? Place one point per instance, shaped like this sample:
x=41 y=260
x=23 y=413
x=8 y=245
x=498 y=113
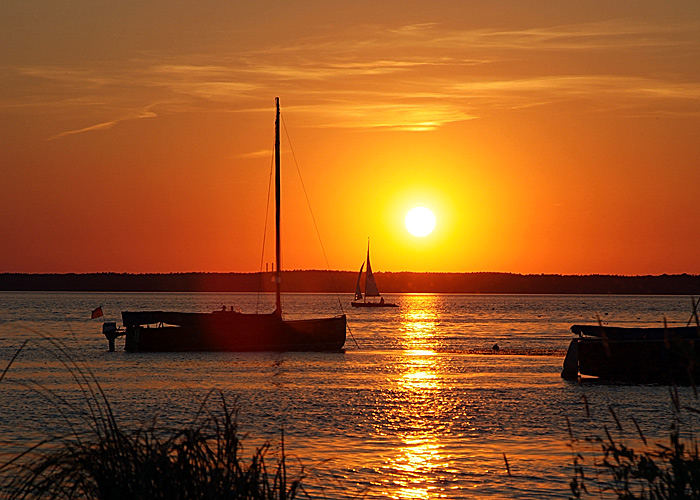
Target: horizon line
x=161 y=273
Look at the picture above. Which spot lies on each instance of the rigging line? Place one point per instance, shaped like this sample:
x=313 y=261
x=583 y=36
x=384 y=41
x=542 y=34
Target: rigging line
x=351 y=335
x=308 y=203
x=313 y=218
x=262 y=252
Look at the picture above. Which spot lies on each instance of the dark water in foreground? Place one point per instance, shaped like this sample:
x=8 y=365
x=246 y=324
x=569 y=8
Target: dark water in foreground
x=417 y=407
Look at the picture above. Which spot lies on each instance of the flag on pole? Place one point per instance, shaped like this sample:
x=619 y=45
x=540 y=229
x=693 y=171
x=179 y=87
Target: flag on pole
x=96 y=313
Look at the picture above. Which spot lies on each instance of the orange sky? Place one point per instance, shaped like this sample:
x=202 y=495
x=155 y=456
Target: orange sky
x=547 y=137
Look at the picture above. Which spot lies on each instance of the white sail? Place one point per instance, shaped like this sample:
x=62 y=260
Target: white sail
x=370 y=285
x=358 y=290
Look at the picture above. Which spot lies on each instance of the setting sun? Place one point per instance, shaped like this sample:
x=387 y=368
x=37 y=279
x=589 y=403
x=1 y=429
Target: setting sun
x=420 y=221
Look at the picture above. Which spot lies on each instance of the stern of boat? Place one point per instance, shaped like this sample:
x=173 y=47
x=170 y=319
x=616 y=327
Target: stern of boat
x=319 y=334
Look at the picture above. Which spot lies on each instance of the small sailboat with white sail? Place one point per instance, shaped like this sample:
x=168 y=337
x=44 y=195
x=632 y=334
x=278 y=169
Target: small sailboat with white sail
x=371 y=289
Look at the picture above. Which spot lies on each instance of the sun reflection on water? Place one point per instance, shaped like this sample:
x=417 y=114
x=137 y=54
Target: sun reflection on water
x=420 y=461
x=419 y=465
x=419 y=320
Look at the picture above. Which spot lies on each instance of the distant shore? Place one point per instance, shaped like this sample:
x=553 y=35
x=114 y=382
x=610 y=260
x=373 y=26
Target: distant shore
x=344 y=281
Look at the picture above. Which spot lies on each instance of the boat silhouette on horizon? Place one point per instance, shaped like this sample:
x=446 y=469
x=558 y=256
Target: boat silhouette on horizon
x=371 y=289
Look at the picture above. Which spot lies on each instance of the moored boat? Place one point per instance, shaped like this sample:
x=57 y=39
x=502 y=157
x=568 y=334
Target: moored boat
x=149 y=331
x=637 y=355
x=231 y=330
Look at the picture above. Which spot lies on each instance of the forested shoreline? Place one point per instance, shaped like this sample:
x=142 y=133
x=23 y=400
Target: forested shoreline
x=344 y=281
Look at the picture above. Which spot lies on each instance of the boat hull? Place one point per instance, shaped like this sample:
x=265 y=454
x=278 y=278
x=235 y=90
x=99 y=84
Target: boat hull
x=635 y=333
x=372 y=304
x=231 y=331
x=636 y=355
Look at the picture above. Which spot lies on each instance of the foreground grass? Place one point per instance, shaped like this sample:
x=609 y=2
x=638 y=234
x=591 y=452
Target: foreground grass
x=630 y=467
x=100 y=459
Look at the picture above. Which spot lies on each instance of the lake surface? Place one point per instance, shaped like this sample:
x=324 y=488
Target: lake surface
x=419 y=405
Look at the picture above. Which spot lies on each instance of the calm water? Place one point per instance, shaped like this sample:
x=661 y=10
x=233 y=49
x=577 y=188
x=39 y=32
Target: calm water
x=417 y=407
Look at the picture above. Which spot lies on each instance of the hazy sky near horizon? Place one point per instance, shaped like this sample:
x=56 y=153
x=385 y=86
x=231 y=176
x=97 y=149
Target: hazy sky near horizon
x=546 y=136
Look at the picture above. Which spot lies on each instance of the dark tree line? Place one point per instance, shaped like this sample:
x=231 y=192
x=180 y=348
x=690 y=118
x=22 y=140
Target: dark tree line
x=344 y=281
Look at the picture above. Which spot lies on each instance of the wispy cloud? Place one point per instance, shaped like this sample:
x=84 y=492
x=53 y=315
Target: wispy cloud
x=601 y=88
x=87 y=78
x=616 y=34
x=384 y=115
x=413 y=77
x=98 y=126
x=263 y=153
x=139 y=115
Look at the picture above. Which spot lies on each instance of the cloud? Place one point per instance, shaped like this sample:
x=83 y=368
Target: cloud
x=263 y=153
x=138 y=115
x=87 y=78
x=411 y=77
x=422 y=116
x=602 y=88
x=99 y=126
x=612 y=34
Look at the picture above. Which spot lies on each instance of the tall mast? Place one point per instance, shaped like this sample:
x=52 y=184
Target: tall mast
x=367 y=272
x=278 y=258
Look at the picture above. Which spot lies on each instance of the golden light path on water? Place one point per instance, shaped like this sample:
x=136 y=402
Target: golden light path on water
x=430 y=422
x=421 y=454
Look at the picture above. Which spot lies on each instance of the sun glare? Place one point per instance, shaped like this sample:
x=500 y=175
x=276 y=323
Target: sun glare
x=420 y=221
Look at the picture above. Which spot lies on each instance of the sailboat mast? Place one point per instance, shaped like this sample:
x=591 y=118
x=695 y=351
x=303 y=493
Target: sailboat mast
x=367 y=273
x=278 y=257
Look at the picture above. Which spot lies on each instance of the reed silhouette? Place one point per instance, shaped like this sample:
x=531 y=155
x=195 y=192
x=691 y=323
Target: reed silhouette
x=101 y=459
x=628 y=466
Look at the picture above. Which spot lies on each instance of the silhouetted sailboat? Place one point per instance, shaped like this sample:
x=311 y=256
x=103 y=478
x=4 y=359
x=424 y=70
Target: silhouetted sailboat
x=231 y=330
x=371 y=289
